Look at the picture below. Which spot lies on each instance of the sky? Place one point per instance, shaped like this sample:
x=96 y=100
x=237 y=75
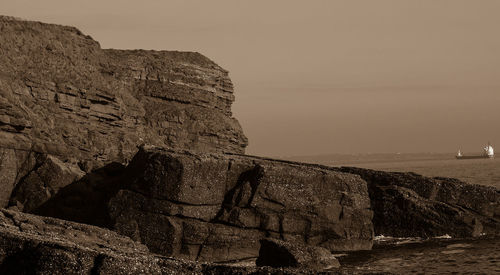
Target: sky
x=321 y=77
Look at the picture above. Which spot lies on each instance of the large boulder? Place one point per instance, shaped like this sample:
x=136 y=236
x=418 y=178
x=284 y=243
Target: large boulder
x=408 y=204
x=217 y=207
x=63 y=96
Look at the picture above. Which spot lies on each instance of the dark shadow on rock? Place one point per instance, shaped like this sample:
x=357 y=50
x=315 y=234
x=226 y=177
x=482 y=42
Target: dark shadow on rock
x=86 y=200
x=19 y=263
x=243 y=193
x=279 y=253
x=271 y=254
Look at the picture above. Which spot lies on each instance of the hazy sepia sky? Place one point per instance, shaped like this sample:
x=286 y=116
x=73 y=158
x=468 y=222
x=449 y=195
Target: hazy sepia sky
x=327 y=76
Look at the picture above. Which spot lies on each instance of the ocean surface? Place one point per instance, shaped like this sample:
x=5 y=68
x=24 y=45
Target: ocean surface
x=417 y=256
x=434 y=256
x=474 y=171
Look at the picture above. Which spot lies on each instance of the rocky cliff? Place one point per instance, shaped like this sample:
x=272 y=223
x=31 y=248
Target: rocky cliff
x=72 y=117
x=62 y=95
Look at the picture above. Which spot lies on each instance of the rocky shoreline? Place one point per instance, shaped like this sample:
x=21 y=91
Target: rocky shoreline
x=130 y=162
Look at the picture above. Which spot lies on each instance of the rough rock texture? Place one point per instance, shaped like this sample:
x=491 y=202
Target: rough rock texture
x=38 y=245
x=48 y=175
x=86 y=200
x=408 y=204
x=216 y=207
x=62 y=95
x=278 y=253
x=28 y=178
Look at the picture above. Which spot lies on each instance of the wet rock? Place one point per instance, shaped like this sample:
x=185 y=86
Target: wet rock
x=278 y=253
x=216 y=207
x=411 y=205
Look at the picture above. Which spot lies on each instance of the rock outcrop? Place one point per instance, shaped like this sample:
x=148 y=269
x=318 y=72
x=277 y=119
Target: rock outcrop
x=35 y=245
x=408 y=204
x=62 y=95
x=217 y=207
x=38 y=245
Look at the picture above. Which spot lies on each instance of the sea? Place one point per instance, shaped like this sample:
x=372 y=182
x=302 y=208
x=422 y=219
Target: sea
x=474 y=171
x=439 y=255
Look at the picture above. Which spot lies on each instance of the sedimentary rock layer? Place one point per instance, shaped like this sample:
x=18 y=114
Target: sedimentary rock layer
x=62 y=95
x=408 y=204
x=216 y=207
x=38 y=245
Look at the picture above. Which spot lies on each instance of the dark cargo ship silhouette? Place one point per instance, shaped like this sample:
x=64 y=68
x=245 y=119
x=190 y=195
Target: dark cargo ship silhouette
x=488 y=153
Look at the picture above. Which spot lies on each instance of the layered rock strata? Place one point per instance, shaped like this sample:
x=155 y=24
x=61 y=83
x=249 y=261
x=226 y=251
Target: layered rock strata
x=37 y=245
x=408 y=204
x=215 y=207
x=62 y=95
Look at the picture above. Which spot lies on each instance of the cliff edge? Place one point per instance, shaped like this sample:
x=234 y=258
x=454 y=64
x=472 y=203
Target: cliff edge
x=62 y=95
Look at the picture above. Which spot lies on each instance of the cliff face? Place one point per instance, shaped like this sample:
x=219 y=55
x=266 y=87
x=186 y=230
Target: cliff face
x=62 y=95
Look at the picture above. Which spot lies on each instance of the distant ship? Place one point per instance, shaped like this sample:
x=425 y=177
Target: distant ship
x=488 y=153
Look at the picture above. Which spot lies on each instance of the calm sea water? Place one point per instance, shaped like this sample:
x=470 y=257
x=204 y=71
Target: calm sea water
x=475 y=171
x=428 y=257
x=434 y=256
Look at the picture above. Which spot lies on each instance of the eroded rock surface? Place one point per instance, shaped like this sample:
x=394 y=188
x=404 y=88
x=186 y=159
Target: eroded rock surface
x=62 y=95
x=217 y=207
x=34 y=245
x=31 y=244
x=408 y=204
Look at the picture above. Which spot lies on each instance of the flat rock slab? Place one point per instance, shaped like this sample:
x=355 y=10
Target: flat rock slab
x=217 y=207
